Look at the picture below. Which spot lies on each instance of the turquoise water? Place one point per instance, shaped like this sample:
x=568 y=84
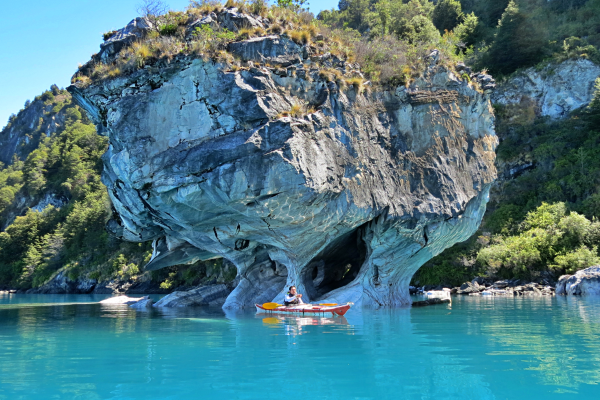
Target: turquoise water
x=66 y=347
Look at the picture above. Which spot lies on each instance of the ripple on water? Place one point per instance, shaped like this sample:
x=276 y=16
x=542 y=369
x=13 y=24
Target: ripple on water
x=480 y=348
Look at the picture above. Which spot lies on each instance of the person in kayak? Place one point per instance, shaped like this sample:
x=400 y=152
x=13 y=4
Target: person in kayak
x=292 y=298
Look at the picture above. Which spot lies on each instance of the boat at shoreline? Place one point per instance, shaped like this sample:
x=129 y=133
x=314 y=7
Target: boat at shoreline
x=303 y=309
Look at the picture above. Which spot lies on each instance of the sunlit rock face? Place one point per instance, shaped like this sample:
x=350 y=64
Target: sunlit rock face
x=554 y=90
x=346 y=200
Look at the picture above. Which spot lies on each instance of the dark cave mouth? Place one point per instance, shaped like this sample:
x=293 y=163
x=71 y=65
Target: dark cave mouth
x=335 y=266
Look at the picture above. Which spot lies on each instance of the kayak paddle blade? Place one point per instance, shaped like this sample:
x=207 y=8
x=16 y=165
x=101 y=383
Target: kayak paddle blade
x=270 y=306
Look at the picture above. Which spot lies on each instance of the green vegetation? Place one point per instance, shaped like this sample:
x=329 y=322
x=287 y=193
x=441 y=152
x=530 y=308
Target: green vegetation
x=389 y=38
x=65 y=164
x=35 y=245
x=395 y=56
x=542 y=222
x=447 y=14
x=498 y=35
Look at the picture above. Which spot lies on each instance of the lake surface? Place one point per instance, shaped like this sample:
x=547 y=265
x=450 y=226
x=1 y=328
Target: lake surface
x=68 y=347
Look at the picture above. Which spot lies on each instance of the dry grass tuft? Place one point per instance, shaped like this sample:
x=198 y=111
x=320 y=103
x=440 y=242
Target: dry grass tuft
x=259 y=7
x=276 y=29
x=312 y=30
x=114 y=72
x=224 y=57
x=247 y=33
x=356 y=82
x=85 y=80
x=300 y=37
x=296 y=111
x=332 y=75
x=241 y=5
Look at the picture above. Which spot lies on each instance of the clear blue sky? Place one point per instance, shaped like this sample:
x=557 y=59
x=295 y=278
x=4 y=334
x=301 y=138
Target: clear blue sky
x=43 y=41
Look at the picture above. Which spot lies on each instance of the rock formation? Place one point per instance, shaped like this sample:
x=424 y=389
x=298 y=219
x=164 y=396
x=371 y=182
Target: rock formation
x=584 y=283
x=123 y=300
x=142 y=305
x=209 y=295
x=345 y=197
x=555 y=90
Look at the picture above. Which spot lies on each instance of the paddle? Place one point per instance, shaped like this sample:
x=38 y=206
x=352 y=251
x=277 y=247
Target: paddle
x=328 y=304
x=270 y=306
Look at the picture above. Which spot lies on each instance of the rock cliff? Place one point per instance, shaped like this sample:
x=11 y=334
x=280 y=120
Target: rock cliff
x=24 y=132
x=342 y=192
x=555 y=90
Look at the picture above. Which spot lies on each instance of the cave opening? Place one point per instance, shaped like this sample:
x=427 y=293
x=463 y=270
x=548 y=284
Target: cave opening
x=335 y=266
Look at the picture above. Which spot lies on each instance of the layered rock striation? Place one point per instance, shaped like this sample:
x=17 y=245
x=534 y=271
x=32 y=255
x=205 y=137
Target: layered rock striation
x=342 y=192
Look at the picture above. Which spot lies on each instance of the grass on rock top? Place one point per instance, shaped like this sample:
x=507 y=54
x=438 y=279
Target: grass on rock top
x=385 y=60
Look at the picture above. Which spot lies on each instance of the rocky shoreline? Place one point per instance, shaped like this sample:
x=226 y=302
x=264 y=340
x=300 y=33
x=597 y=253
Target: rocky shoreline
x=486 y=287
x=61 y=284
x=582 y=283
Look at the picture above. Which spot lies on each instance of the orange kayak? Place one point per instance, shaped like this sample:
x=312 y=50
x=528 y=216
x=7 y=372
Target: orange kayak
x=305 y=309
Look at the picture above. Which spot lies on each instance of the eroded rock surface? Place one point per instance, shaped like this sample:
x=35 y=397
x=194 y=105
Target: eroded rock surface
x=584 y=283
x=210 y=295
x=144 y=304
x=555 y=90
x=345 y=200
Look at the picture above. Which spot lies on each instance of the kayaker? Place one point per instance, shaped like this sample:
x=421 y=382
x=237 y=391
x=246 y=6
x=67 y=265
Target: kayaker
x=292 y=297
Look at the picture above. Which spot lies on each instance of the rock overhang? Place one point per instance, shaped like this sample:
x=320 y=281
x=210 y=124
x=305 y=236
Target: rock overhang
x=204 y=162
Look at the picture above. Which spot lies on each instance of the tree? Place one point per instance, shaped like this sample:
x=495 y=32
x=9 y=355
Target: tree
x=469 y=30
x=293 y=4
x=152 y=10
x=594 y=107
x=420 y=29
x=517 y=43
x=55 y=90
x=384 y=12
x=490 y=11
x=446 y=15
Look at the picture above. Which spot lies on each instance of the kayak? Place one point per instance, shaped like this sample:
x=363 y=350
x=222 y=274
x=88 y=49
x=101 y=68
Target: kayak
x=303 y=309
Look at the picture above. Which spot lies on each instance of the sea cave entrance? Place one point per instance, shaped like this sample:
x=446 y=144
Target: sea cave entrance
x=335 y=266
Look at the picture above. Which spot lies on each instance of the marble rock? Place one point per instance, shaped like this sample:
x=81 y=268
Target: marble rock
x=555 y=90
x=470 y=287
x=345 y=200
x=122 y=300
x=210 y=295
x=585 y=282
x=134 y=30
x=144 y=304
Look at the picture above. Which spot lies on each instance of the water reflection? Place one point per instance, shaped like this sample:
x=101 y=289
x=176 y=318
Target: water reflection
x=554 y=340
x=505 y=348
x=293 y=324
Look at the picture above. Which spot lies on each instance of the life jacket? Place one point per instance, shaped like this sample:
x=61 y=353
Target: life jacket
x=295 y=301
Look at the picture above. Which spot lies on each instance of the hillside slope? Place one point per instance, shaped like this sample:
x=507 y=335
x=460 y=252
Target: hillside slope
x=53 y=210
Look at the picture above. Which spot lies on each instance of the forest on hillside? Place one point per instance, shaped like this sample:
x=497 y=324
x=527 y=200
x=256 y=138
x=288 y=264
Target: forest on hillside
x=542 y=223
x=500 y=36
